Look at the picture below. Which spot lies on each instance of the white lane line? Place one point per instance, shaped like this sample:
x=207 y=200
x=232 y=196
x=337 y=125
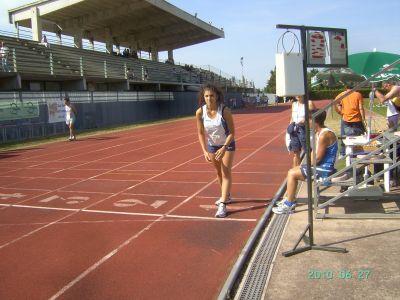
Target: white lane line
x=81 y=222
x=41 y=207
x=185 y=201
x=177 y=181
x=120 y=153
x=99 y=263
x=129 y=240
x=121 y=213
x=109 y=171
x=153 y=195
x=90 y=178
x=36 y=230
x=210 y=218
x=124 y=136
x=108 y=212
x=111 y=195
x=89 y=270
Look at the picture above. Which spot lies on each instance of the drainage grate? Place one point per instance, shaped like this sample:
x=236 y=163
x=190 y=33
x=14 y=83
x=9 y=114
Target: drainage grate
x=254 y=281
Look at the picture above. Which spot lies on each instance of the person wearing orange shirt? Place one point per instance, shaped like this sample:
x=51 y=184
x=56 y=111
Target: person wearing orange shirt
x=352 y=112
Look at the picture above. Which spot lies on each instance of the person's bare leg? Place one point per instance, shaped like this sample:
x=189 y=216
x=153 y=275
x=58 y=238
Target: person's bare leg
x=226 y=170
x=294 y=175
x=296 y=159
x=72 y=128
x=217 y=166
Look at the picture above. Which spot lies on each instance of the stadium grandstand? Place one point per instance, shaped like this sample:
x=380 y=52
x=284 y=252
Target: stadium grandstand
x=104 y=55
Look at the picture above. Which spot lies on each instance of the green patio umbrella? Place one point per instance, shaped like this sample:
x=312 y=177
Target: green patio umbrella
x=333 y=77
x=370 y=63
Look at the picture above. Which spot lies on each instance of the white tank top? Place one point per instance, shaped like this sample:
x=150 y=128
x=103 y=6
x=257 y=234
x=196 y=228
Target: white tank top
x=391 y=109
x=69 y=114
x=215 y=128
x=298 y=112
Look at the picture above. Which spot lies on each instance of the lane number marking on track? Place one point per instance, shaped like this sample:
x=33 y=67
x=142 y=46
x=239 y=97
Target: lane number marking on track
x=8 y=196
x=133 y=202
x=68 y=200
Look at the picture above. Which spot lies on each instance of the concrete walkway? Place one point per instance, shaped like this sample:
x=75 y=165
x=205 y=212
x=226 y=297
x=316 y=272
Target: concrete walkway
x=370 y=269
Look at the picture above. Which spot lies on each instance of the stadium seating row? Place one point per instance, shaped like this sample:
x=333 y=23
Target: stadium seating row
x=31 y=58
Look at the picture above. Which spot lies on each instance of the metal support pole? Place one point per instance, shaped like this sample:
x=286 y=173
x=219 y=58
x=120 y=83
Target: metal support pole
x=309 y=228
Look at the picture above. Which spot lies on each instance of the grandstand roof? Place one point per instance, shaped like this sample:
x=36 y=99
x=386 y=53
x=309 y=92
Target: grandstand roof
x=147 y=22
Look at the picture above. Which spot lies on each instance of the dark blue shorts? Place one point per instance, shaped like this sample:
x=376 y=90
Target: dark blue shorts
x=320 y=173
x=213 y=149
x=298 y=139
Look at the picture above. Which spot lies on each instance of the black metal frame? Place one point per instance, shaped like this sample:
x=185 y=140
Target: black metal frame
x=309 y=228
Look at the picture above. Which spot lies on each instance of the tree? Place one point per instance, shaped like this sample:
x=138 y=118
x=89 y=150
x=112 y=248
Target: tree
x=271 y=83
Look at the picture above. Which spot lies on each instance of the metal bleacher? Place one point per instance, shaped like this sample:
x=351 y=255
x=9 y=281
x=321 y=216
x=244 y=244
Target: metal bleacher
x=29 y=57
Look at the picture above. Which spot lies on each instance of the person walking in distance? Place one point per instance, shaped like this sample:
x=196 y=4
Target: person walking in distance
x=216 y=133
x=70 y=118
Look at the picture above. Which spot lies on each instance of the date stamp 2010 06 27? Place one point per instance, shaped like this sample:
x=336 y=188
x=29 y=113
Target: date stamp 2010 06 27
x=359 y=274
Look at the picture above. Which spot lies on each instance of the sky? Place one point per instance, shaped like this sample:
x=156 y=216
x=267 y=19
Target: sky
x=250 y=29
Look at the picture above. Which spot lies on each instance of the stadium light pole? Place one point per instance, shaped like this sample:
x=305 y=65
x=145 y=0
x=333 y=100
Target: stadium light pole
x=241 y=62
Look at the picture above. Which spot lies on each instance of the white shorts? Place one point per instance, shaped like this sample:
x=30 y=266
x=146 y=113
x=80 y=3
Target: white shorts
x=70 y=121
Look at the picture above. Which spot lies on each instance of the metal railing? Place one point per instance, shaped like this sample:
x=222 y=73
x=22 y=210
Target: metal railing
x=86 y=96
x=388 y=147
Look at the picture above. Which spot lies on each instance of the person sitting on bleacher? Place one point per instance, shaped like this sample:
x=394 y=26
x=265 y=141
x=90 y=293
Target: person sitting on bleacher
x=129 y=74
x=126 y=52
x=44 y=41
x=326 y=147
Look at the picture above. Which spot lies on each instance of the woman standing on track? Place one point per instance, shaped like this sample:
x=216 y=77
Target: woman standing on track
x=70 y=118
x=296 y=129
x=215 y=123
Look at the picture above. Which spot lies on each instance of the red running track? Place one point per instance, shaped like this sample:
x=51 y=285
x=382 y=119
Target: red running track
x=130 y=215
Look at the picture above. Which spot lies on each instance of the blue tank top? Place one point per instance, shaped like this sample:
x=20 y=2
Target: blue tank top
x=327 y=163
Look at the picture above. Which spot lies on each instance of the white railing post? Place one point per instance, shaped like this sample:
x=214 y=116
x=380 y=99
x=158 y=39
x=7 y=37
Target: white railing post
x=81 y=65
x=51 y=64
x=14 y=60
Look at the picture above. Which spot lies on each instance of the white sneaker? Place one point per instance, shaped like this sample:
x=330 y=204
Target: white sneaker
x=221 y=211
x=281 y=202
x=227 y=201
x=284 y=208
